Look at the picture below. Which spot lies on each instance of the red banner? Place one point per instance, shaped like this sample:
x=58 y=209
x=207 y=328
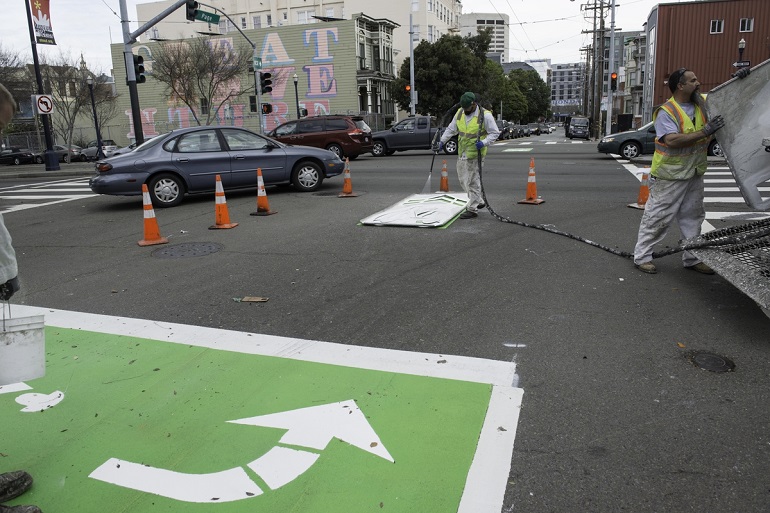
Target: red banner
x=41 y=21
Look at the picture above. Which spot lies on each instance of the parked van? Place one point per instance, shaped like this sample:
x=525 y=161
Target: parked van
x=579 y=127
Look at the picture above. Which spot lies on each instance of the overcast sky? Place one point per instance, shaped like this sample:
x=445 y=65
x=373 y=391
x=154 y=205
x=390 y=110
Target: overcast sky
x=539 y=29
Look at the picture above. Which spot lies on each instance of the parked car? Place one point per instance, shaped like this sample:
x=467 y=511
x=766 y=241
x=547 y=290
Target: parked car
x=347 y=136
x=188 y=160
x=15 y=156
x=108 y=148
x=66 y=154
x=525 y=131
x=630 y=144
x=534 y=128
x=412 y=133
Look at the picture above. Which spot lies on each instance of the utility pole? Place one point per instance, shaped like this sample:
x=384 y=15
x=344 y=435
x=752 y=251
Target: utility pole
x=412 y=92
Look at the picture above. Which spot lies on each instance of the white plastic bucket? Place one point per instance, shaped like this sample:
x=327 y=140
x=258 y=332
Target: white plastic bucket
x=22 y=349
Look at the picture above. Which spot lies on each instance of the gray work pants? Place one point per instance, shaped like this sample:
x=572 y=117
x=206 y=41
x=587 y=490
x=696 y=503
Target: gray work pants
x=468 y=174
x=670 y=200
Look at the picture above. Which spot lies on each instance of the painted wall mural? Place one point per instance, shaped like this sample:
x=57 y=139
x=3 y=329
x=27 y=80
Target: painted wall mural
x=321 y=55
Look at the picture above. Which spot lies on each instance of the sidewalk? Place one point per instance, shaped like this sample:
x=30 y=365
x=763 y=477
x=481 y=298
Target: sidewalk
x=78 y=169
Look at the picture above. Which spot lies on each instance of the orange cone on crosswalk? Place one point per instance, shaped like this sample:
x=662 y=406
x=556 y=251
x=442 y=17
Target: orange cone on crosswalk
x=347 y=185
x=644 y=193
x=532 y=198
x=444 y=178
x=263 y=207
x=221 y=214
x=151 y=228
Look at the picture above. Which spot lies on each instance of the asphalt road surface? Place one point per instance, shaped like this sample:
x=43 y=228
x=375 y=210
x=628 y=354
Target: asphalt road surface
x=615 y=416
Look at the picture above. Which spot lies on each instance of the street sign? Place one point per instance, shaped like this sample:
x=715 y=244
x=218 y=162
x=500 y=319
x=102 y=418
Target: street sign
x=208 y=17
x=43 y=103
x=742 y=64
x=257 y=63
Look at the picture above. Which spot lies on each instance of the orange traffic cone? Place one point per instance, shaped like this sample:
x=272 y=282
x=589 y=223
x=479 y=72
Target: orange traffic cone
x=532 y=198
x=221 y=214
x=644 y=193
x=151 y=229
x=347 y=185
x=444 y=178
x=263 y=207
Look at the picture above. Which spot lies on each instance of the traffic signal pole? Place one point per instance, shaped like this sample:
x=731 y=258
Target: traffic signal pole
x=610 y=100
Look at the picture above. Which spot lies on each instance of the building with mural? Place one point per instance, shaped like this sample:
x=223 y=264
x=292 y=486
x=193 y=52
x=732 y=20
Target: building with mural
x=341 y=67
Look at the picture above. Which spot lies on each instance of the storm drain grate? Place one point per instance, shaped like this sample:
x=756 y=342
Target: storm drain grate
x=712 y=362
x=187 y=250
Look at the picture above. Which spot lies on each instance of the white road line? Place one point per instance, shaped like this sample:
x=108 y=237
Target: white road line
x=718 y=180
x=724 y=200
x=27 y=206
x=744 y=216
x=46 y=196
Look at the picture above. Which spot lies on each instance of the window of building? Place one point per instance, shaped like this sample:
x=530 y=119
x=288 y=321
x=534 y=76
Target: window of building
x=269 y=19
x=717 y=26
x=257 y=21
x=204 y=106
x=747 y=25
x=252 y=103
x=305 y=17
x=243 y=22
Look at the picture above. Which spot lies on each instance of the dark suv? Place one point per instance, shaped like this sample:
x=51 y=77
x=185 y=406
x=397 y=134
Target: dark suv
x=347 y=136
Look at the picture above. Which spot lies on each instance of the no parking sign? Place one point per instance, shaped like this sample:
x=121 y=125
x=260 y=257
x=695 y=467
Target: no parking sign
x=43 y=103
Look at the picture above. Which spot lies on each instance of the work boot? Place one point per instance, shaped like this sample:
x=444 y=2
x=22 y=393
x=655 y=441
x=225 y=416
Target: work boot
x=13 y=484
x=19 y=509
x=481 y=205
x=647 y=267
x=701 y=268
x=468 y=215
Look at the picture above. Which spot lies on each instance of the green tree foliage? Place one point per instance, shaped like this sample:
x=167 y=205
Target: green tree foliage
x=444 y=70
x=537 y=92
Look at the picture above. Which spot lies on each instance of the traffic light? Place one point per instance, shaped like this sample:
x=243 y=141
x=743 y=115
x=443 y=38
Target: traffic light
x=267 y=108
x=614 y=81
x=191 y=9
x=407 y=88
x=139 y=69
x=265 y=82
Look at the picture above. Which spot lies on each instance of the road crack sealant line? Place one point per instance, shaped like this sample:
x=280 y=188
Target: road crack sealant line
x=699 y=243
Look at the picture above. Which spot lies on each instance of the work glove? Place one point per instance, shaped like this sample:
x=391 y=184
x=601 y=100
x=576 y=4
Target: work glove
x=742 y=73
x=715 y=124
x=479 y=145
x=9 y=288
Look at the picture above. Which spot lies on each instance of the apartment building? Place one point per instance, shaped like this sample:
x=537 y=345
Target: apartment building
x=497 y=23
x=567 y=88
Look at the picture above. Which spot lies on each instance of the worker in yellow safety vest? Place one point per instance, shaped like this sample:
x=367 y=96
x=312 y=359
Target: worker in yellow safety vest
x=476 y=129
x=676 y=184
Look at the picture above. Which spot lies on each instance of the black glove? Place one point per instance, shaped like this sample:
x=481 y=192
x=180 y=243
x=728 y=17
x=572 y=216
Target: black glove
x=742 y=73
x=9 y=288
x=715 y=124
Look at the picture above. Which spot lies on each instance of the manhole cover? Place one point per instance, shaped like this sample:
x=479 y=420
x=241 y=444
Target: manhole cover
x=712 y=362
x=326 y=193
x=187 y=250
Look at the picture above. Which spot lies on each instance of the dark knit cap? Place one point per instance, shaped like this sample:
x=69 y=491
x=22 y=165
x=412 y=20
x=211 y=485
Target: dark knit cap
x=467 y=99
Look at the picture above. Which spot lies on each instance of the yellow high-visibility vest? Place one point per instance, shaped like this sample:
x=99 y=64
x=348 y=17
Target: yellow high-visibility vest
x=680 y=163
x=468 y=134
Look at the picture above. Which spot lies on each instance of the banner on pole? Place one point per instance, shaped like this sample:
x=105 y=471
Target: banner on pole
x=41 y=21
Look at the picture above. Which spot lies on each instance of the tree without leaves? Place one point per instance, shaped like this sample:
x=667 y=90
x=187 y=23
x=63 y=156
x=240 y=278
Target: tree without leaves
x=67 y=86
x=200 y=68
